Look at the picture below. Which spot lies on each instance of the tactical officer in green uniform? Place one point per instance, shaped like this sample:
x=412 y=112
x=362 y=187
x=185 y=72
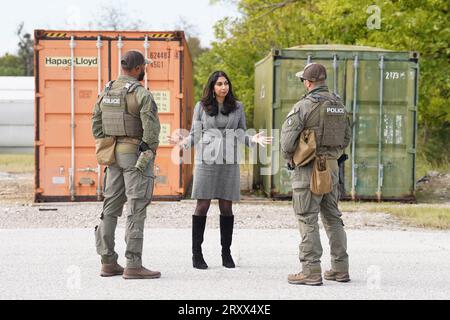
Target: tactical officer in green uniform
x=324 y=113
x=127 y=111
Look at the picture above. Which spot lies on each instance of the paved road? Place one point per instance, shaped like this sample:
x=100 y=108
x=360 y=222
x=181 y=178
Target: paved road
x=62 y=264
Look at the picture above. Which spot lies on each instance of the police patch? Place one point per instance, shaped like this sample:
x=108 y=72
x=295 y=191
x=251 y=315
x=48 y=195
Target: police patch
x=111 y=100
x=336 y=110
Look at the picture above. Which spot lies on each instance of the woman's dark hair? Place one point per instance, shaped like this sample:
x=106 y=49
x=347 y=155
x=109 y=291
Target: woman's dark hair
x=209 y=101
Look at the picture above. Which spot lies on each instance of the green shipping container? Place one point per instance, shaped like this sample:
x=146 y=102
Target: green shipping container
x=380 y=91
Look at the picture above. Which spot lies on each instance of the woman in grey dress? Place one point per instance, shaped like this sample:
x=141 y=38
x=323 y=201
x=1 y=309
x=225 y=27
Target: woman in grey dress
x=218 y=127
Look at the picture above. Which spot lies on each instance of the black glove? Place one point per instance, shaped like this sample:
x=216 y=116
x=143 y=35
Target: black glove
x=342 y=159
x=290 y=166
x=143 y=147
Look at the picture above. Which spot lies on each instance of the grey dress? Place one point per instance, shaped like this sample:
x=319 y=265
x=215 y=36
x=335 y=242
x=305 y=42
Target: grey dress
x=216 y=170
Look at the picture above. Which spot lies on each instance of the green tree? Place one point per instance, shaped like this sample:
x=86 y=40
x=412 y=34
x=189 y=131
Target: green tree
x=196 y=51
x=11 y=65
x=26 y=50
x=241 y=42
x=419 y=25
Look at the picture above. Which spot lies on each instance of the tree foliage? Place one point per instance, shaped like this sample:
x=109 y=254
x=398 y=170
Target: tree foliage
x=26 y=50
x=19 y=64
x=11 y=65
x=407 y=25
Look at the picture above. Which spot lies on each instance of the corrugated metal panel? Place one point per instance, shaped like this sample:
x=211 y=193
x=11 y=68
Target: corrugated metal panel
x=263 y=119
x=380 y=87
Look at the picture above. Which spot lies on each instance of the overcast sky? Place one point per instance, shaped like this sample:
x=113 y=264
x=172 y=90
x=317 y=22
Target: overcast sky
x=157 y=14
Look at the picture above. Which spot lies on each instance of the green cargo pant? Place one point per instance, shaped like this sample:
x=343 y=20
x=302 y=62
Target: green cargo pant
x=307 y=207
x=123 y=181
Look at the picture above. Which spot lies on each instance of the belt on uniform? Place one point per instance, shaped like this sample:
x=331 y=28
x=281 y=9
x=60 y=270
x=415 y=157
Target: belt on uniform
x=327 y=157
x=128 y=140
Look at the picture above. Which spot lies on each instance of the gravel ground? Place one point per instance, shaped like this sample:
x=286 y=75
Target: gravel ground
x=17 y=211
x=271 y=215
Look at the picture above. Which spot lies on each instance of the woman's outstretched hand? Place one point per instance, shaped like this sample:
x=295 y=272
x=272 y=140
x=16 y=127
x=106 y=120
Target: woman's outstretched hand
x=262 y=139
x=176 y=139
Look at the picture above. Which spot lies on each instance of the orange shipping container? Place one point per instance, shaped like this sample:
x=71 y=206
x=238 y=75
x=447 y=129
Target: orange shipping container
x=65 y=165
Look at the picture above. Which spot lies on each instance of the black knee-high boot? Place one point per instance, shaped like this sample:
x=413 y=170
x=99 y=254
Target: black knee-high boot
x=198 y=229
x=226 y=237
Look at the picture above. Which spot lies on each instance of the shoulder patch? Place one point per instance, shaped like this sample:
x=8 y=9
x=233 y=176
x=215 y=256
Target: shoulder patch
x=154 y=106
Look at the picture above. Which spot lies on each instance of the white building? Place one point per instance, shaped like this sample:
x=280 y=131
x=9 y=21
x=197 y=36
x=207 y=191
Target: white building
x=16 y=114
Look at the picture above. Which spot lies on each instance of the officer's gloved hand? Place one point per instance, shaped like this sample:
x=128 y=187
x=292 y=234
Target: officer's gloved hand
x=143 y=160
x=290 y=165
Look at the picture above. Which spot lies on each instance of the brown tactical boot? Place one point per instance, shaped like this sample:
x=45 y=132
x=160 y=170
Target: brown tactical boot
x=110 y=270
x=336 y=276
x=140 y=273
x=313 y=279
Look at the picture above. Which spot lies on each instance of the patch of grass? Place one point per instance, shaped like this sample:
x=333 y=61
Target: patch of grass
x=423 y=166
x=417 y=215
x=16 y=163
x=423 y=217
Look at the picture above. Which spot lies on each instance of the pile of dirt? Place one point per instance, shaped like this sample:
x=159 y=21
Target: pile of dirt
x=434 y=187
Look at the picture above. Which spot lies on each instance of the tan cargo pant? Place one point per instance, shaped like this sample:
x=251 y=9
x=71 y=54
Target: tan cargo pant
x=123 y=181
x=307 y=207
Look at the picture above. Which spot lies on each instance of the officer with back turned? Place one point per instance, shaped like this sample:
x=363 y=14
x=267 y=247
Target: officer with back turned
x=127 y=111
x=324 y=113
